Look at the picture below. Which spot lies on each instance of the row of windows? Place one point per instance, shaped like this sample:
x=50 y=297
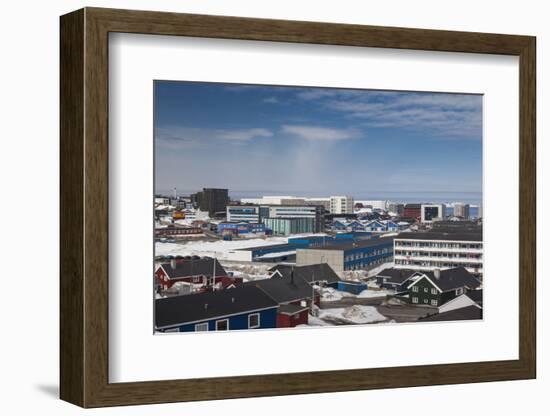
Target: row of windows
x=361 y=255
x=432 y=244
x=433 y=290
x=433 y=302
x=362 y=265
x=223 y=324
x=431 y=264
x=436 y=254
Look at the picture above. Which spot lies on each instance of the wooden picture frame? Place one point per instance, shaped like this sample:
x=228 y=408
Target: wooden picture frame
x=84 y=207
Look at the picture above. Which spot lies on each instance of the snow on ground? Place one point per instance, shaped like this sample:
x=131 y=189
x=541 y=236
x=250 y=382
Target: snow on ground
x=330 y=294
x=211 y=248
x=374 y=293
x=315 y=321
x=373 y=272
x=356 y=314
x=248 y=271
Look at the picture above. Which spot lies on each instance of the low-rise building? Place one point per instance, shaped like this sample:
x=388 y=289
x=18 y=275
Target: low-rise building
x=238 y=228
x=440 y=286
x=206 y=271
x=470 y=298
x=356 y=255
x=172 y=231
x=412 y=211
x=243 y=307
x=243 y=213
x=288 y=226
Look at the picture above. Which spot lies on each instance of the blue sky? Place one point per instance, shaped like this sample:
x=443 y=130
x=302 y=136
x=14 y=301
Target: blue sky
x=315 y=141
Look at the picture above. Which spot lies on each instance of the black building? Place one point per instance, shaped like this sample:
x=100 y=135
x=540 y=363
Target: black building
x=213 y=200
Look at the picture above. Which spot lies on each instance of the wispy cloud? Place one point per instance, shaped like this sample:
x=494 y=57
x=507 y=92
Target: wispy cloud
x=318 y=133
x=176 y=136
x=271 y=100
x=441 y=115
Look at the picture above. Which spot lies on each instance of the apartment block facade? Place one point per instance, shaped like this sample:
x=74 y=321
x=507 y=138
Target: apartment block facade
x=439 y=250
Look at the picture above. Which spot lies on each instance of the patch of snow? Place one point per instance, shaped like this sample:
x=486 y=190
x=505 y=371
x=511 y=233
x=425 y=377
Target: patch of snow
x=209 y=248
x=373 y=293
x=356 y=314
x=330 y=294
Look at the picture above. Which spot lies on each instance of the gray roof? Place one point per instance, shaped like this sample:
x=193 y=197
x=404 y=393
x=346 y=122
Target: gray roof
x=476 y=296
x=373 y=242
x=451 y=279
x=198 y=307
x=311 y=273
x=193 y=267
x=450 y=236
x=283 y=289
x=291 y=309
x=398 y=276
x=462 y=314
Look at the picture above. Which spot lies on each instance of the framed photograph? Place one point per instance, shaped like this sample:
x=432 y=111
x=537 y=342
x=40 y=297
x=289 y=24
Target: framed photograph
x=255 y=207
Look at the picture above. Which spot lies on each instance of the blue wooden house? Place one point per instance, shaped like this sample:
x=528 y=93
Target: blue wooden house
x=243 y=307
x=375 y=226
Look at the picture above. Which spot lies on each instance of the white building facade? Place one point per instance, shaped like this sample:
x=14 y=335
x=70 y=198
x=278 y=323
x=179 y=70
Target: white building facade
x=432 y=212
x=341 y=205
x=461 y=210
x=431 y=251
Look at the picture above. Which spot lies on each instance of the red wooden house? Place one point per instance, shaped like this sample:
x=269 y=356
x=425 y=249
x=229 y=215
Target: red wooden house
x=197 y=271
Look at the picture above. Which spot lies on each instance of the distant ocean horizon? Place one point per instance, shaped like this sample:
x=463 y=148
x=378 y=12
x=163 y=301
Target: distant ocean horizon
x=473 y=198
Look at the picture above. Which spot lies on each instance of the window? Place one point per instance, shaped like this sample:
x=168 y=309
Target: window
x=425 y=290
x=425 y=300
x=415 y=288
x=176 y=329
x=201 y=327
x=222 y=325
x=254 y=320
x=434 y=291
x=434 y=302
x=459 y=291
x=415 y=299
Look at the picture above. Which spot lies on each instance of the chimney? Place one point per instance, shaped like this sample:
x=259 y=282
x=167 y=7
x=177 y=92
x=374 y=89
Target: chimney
x=173 y=264
x=437 y=273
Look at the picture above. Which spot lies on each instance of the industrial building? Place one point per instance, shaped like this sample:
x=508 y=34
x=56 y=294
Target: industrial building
x=432 y=212
x=411 y=211
x=356 y=255
x=257 y=214
x=238 y=228
x=429 y=251
x=246 y=213
x=341 y=205
x=379 y=204
x=288 y=226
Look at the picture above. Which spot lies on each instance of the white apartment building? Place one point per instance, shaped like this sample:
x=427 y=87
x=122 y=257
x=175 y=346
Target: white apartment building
x=439 y=250
x=461 y=210
x=375 y=204
x=274 y=200
x=431 y=212
x=341 y=205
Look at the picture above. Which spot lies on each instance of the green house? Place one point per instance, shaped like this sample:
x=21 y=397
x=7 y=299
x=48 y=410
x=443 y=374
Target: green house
x=437 y=287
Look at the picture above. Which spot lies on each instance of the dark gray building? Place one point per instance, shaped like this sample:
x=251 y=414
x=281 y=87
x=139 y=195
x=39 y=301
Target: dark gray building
x=212 y=200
